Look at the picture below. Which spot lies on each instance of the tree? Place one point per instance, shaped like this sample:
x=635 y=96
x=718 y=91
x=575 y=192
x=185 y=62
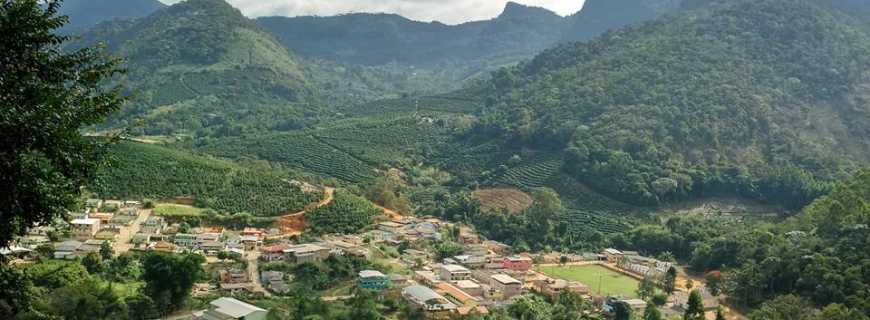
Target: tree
x=563 y=260
x=621 y=311
x=720 y=315
x=93 y=263
x=16 y=292
x=45 y=250
x=695 y=307
x=652 y=312
x=670 y=281
x=659 y=299
x=106 y=251
x=714 y=282
x=646 y=288
x=141 y=307
x=46 y=96
x=169 y=278
x=87 y=300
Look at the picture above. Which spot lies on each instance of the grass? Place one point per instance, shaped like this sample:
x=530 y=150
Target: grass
x=611 y=282
x=176 y=210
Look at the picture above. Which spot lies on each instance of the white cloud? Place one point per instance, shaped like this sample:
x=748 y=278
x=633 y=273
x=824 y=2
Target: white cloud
x=447 y=11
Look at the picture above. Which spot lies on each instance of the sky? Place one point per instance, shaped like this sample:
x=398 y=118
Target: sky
x=446 y=11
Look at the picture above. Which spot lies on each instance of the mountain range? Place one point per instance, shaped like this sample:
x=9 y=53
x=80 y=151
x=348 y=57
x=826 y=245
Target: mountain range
x=85 y=14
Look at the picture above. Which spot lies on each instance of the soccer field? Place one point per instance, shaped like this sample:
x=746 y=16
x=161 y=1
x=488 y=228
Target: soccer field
x=595 y=277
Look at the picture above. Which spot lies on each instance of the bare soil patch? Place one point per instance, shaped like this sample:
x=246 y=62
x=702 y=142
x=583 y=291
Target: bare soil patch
x=498 y=199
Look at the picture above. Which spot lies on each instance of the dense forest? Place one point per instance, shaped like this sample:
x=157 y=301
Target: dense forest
x=711 y=101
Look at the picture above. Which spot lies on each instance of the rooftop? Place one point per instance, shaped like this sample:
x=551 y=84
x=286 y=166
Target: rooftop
x=371 y=274
x=85 y=221
x=505 y=279
x=452 y=268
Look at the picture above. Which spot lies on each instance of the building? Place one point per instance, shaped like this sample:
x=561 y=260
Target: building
x=470 y=287
x=611 y=255
x=274 y=252
x=390 y=227
x=104 y=217
x=471 y=261
x=184 y=239
x=453 y=272
x=153 y=225
x=456 y=295
x=67 y=249
x=428 y=278
x=212 y=248
x=507 y=285
x=233 y=276
x=552 y=287
x=374 y=280
x=274 y=280
x=232 y=309
x=426 y=299
x=83 y=229
x=307 y=253
x=250 y=243
x=516 y=263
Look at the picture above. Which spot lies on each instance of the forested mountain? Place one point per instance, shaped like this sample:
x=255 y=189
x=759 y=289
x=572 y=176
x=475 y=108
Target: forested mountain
x=87 y=13
x=762 y=98
x=376 y=39
x=200 y=67
x=599 y=16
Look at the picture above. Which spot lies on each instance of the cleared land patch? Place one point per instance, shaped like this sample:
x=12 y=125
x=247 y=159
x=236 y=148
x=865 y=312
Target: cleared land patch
x=510 y=199
x=600 y=280
x=176 y=210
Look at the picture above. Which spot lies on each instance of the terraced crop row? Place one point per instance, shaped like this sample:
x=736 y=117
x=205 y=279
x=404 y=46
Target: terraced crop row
x=145 y=171
x=584 y=221
x=533 y=175
x=297 y=151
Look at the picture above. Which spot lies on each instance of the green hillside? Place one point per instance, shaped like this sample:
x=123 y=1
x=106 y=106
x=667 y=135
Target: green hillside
x=150 y=171
x=763 y=99
x=201 y=68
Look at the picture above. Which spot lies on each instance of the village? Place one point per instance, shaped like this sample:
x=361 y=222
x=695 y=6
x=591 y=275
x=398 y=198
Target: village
x=483 y=275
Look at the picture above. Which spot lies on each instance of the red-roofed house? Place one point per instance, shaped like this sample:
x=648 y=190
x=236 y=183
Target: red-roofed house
x=273 y=252
x=516 y=263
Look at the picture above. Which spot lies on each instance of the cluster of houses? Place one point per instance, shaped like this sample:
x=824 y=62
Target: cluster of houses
x=103 y=220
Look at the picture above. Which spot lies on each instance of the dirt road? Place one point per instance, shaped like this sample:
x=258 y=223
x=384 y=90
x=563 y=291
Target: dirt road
x=122 y=243
x=253 y=272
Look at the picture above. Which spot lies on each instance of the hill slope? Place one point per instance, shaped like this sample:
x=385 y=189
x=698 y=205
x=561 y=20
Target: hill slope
x=84 y=14
x=200 y=67
x=149 y=171
x=759 y=98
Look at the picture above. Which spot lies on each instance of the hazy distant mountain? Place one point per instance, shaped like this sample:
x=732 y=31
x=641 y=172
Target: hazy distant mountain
x=376 y=39
x=599 y=16
x=84 y=14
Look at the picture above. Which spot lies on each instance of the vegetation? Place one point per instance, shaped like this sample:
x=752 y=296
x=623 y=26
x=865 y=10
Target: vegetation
x=44 y=159
x=346 y=214
x=641 y=115
x=169 y=278
x=149 y=171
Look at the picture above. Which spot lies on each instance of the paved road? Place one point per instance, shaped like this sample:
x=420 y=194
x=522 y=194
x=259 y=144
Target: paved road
x=122 y=243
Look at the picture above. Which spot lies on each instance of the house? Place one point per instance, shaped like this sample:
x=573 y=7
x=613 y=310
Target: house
x=212 y=248
x=184 y=239
x=552 y=287
x=274 y=280
x=426 y=299
x=636 y=305
x=471 y=261
x=232 y=309
x=104 y=217
x=453 y=272
x=507 y=285
x=107 y=234
x=274 y=252
x=470 y=287
x=16 y=252
x=67 y=249
x=428 y=278
x=110 y=205
x=153 y=225
x=475 y=250
x=455 y=294
x=250 y=243
x=307 y=253
x=496 y=247
x=163 y=246
x=517 y=263
x=83 y=229
x=207 y=237
x=233 y=276
x=374 y=280
x=93 y=204
x=611 y=255
x=390 y=227
x=254 y=232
